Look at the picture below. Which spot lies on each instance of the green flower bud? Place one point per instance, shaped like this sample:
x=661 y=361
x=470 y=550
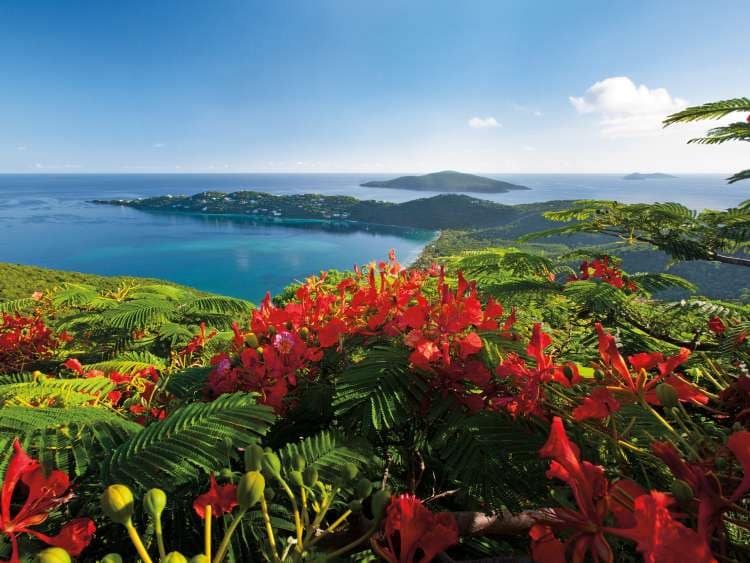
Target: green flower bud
x=682 y=491
x=250 y=489
x=251 y=340
x=271 y=464
x=253 y=457
x=304 y=333
x=117 y=504
x=201 y=558
x=721 y=463
x=299 y=462
x=111 y=558
x=174 y=557
x=296 y=478
x=355 y=506
x=350 y=471
x=270 y=494
x=667 y=395
x=52 y=555
x=363 y=488
x=154 y=502
x=271 y=330
x=226 y=474
x=310 y=476
x=379 y=501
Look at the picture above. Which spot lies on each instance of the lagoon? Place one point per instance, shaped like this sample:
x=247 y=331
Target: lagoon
x=47 y=220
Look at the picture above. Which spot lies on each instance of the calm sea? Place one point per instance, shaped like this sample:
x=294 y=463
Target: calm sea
x=46 y=220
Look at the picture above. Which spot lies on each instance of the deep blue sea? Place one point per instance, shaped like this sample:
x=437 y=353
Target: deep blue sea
x=47 y=220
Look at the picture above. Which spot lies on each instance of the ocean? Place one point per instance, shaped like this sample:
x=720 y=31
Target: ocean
x=48 y=220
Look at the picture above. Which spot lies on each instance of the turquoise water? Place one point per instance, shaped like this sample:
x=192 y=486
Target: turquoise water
x=46 y=220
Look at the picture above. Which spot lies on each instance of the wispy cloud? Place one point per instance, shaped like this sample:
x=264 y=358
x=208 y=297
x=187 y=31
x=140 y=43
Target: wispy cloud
x=627 y=110
x=158 y=145
x=526 y=109
x=483 y=122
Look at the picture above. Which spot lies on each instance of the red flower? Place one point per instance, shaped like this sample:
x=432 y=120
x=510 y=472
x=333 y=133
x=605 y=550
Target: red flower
x=74 y=365
x=413 y=533
x=659 y=537
x=221 y=498
x=716 y=325
x=469 y=344
x=44 y=493
x=633 y=386
x=599 y=404
x=73 y=536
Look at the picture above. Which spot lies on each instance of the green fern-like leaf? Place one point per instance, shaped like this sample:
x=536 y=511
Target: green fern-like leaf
x=198 y=436
x=328 y=452
x=379 y=392
x=129 y=363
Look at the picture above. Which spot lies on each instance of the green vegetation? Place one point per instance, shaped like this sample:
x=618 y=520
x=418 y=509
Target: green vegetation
x=447 y=181
x=19 y=281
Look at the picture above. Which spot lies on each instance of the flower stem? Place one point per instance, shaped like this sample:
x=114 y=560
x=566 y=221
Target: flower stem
x=207 y=524
x=269 y=528
x=224 y=545
x=136 y=539
x=159 y=538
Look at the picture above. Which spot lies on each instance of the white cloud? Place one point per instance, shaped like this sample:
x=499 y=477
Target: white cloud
x=627 y=110
x=158 y=145
x=483 y=122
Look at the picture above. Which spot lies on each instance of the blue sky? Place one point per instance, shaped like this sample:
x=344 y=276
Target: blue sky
x=346 y=85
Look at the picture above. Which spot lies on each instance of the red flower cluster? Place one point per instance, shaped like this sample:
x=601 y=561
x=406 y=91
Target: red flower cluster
x=135 y=391
x=412 y=533
x=633 y=383
x=525 y=382
x=24 y=341
x=25 y=477
x=198 y=342
x=601 y=269
x=287 y=343
x=642 y=517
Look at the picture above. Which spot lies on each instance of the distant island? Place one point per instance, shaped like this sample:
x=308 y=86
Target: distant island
x=447 y=181
x=652 y=176
x=446 y=211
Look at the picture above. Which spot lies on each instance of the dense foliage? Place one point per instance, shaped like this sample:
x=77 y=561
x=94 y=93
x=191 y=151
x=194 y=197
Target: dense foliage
x=501 y=402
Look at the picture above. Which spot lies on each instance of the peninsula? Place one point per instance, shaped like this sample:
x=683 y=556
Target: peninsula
x=447 y=181
x=446 y=211
x=652 y=176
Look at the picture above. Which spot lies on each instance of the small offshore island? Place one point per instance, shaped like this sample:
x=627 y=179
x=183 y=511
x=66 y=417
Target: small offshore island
x=447 y=211
x=447 y=181
x=652 y=176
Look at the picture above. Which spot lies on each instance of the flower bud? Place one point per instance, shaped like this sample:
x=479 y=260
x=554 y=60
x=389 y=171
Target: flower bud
x=253 y=457
x=667 y=395
x=52 y=555
x=682 y=491
x=154 y=502
x=117 y=504
x=299 y=462
x=226 y=474
x=111 y=558
x=174 y=557
x=721 y=463
x=310 y=476
x=355 y=506
x=251 y=340
x=200 y=558
x=296 y=478
x=270 y=494
x=363 y=488
x=304 y=332
x=379 y=501
x=250 y=489
x=271 y=464
x=271 y=330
